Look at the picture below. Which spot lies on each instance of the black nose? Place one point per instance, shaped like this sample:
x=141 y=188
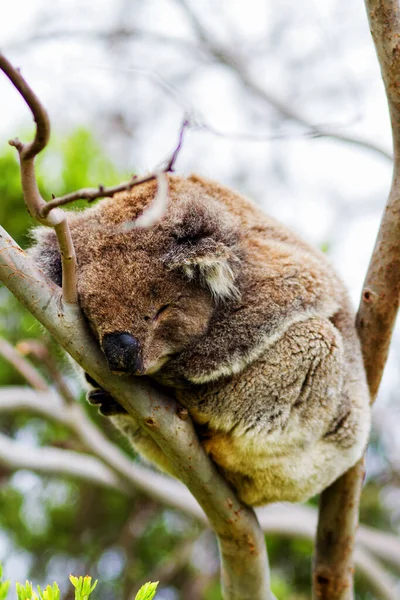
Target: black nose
x=122 y=352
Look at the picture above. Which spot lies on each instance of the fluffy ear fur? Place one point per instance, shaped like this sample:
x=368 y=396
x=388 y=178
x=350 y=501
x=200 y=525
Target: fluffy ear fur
x=46 y=253
x=205 y=246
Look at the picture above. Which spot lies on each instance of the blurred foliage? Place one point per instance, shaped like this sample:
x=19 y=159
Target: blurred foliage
x=82 y=585
x=51 y=526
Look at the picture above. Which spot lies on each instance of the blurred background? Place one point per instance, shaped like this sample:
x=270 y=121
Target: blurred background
x=285 y=105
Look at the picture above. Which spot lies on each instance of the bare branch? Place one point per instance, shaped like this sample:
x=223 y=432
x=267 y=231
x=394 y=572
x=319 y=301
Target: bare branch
x=53 y=461
x=171 y=163
x=33 y=200
x=28 y=151
x=157 y=208
x=41 y=352
x=225 y=57
x=91 y=194
x=28 y=372
x=375 y=321
x=301 y=521
x=68 y=260
x=118 y=34
x=384 y=585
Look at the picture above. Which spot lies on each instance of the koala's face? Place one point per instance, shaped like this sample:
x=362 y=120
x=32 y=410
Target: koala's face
x=142 y=312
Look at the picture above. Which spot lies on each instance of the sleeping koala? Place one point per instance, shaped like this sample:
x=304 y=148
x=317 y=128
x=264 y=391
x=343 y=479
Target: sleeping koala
x=248 y=326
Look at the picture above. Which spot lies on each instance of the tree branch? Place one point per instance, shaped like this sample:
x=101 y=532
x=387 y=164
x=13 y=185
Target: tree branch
x=53 y=461
x=384 y=585
x=91 y=194
x=32 y=376
x=280 y=519
x=32 y=347
x=33 y=200
x=120 y=33
x=375 y=321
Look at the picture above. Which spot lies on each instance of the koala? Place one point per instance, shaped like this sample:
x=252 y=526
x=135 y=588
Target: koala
x=247 y=326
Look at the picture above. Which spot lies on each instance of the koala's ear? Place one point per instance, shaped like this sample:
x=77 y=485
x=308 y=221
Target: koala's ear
x=205 y=247
x=46 y=253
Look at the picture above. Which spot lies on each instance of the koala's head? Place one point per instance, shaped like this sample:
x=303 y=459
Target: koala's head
x=149 y=293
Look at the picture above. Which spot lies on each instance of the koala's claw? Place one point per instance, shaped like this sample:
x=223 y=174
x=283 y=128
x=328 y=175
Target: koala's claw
x=112 y=408
x=108 y=407
x=98 y=396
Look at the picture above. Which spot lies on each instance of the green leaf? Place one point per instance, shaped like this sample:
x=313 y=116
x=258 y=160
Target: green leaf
x=147 y=591
x=25 y=592
x=4 y=585
x=83 y=586
x=50 y=593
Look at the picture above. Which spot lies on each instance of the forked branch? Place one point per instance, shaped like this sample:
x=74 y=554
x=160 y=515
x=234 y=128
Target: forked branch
x=333 y=568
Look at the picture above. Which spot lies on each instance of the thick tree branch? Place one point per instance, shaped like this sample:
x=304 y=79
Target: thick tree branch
x=244 y=560
x=375 y=321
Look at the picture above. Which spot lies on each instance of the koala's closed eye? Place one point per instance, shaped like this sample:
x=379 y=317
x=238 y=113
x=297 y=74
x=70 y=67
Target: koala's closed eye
x=162 y=310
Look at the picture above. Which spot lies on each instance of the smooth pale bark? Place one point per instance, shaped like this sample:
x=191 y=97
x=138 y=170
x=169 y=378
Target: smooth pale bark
x=333 y=563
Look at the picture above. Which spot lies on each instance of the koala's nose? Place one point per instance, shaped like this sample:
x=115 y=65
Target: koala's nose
x=122 y=352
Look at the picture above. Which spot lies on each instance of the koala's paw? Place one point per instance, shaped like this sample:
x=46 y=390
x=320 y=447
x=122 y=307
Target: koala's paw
x=108 y=407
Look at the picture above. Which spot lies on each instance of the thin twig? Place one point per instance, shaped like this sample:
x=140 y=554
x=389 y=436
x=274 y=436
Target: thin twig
x=375 y=321
x=33 y=199
x=40 y=351
x=42 y=135
x=87 y=35
x=225 y=57
x=91 y=194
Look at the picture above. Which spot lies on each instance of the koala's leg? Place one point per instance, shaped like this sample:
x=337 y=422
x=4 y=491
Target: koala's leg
x=294 y=420
x=124 y=422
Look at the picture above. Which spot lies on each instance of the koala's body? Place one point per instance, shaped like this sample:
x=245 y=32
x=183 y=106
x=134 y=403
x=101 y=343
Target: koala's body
x=249 y=327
